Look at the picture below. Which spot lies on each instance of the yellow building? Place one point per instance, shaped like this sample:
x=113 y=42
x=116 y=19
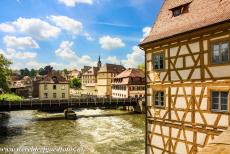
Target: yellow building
x=129 y=83
x=89 y=80
x=105 y=78
x=187 y=56
x=53 y=87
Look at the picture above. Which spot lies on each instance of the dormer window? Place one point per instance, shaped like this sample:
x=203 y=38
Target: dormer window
x=180 y=10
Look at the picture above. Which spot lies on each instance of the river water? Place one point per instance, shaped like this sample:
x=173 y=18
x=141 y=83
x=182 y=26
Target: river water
x=95 y=132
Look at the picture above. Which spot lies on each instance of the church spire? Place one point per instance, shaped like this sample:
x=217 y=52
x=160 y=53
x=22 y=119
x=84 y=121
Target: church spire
x=99 y=62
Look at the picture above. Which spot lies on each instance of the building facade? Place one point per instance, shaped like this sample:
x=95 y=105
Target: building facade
x=53 y=87
x=105 y=77
x=188 y=79
x=89 y=80
x=129 y=83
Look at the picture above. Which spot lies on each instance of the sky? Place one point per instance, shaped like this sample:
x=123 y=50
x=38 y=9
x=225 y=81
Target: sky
x=74 y=33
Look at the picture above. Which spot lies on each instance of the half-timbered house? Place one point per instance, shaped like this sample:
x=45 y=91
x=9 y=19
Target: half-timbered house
x=188 y=75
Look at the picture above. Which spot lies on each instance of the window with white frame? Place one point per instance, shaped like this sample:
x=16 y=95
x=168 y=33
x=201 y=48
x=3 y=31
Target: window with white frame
x=159 y=99
x=219 y=101
x=158 y=61
x=220 y=53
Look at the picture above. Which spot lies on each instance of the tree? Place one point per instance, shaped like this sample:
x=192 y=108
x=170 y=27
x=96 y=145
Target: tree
x=75 y=83
x=41 y=71
x=141 y=66
x=24 y=72
x=48 y=69
x=33 y=73
x=4 y=73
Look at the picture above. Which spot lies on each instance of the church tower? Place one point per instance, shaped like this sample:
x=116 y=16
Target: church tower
x=99 y=62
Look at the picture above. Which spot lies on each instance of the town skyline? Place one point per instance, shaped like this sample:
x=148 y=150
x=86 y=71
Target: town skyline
x=71 y=33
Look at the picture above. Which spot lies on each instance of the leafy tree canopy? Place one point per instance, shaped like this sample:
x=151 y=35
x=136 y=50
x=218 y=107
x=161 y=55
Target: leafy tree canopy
x=4 y=73
x=75 y=83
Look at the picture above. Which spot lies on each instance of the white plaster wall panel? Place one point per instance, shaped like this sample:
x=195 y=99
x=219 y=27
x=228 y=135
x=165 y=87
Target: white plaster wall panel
x=195 y=47
x=180 y=91
x=205 y=59
x=189 y=135
x=174 y=132
x=157 y=141
x=180 y=114
x=173 y=90
x=181 y=103
x=204 y=104
x=201 y=138
x=149 y=56
x=184 y=50
x=179 y=63
x=189 y=61
x=184 y=74
x=157 y=129
x=198 y=90
x=166 y=64
x=174 y=76
x=166 y=91
x=166 y=53
x=162 y=113
x=165 y=130
x=205 y=45
x=220 y=37
x=224 y=120
x=157 y=151
x=152 y=77
x=181 y=148
x=188 y=117
x=149 y=66
x=149 y=101
x=220 y=71
x=173 y=115
x=188 y=90
x=162 y=75
x=150 y=127
x=196 y=74
x=198 y=118
x=149 y=151
x=173 y=51
x=210 y=118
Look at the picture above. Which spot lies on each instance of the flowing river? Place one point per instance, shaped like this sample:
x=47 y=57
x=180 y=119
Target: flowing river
x=95 y=132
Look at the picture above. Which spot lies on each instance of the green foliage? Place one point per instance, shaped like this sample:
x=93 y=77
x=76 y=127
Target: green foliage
x=141 y=66
x=4 y=73
x=24 y=72
x=75 y=83
x=65 y=71
x=33 y=73
x=10 y=97
x=41 y=71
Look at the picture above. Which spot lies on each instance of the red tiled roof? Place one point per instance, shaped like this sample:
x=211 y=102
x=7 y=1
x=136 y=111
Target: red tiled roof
x=92 y=71
x=131 y=72
x=54 y=78
x=112 y=68
x=201 y=13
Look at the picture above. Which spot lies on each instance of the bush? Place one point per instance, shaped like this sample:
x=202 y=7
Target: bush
x=10 y=97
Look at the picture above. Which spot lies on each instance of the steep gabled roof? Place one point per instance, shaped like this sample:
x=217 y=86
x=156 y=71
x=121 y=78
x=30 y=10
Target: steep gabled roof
x=92 y=71
x=202 y=13
x=112 y=68
x=54 y=78
x=131 y=72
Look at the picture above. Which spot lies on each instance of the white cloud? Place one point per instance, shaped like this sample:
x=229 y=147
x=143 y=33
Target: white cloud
x=72 y=26
x=6 y=27
x=109 y=43
x=88 y=37
x=146 y=32
x=20 y=42
x=134 y=58
x=13 y=54
x=112 y=59
x=72 y=3
x=36 y=28
x=66 y=52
